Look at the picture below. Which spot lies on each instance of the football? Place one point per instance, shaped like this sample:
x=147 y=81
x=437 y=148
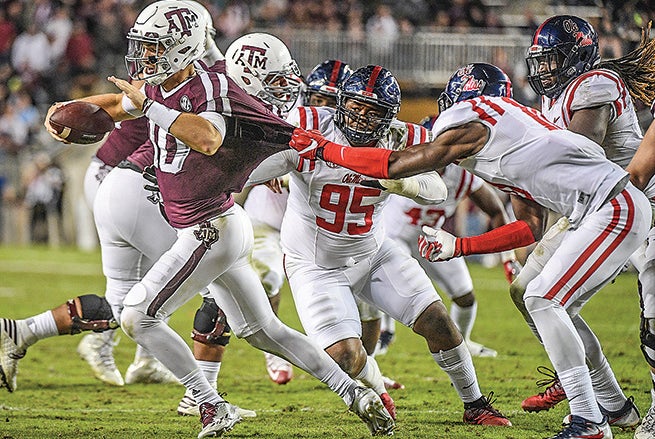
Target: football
x=81 y=122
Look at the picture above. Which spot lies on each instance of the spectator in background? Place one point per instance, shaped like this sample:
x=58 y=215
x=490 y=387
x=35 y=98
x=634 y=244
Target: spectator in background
x=8 y=33
x=59 y=30
x=30 y=56
x=108 y=35
x=382 y=31
x=44 y=183
x=234 y=20
x=79 y=52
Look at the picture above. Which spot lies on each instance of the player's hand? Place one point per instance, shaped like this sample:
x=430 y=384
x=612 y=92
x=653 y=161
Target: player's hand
x=133 y=93
x=274 y=185
x=309 y=144
x=437 y=245
x=511 y=266
x=46 y=122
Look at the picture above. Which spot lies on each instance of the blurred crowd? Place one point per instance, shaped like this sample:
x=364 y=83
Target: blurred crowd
x=57 y=50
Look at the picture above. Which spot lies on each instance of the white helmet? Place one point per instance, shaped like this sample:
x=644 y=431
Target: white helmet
x=173 y=31
x=212 y=52
x=262 y=65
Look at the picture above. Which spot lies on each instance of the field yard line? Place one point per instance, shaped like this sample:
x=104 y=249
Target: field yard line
x=47 y=267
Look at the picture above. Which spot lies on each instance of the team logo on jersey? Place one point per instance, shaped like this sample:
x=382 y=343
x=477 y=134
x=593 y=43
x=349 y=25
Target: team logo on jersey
x=185 y=103
x=207 y=234
x=181 y=20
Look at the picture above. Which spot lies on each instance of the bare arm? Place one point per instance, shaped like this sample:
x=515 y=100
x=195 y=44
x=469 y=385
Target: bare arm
x=530 y=212
x=194 y=131
x=490 y=203
x=456 y=143
x=591 y=122
x=642 y=165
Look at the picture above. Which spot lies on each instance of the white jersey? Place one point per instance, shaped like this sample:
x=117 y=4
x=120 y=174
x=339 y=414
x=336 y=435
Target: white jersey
x=331 y=219
x=530 y=157
x=403 y=217
x=593 y=89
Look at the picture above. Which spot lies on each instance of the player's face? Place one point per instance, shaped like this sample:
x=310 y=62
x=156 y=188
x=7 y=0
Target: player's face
x=278 y=84
x=150 y=53
x=547 y=65
x=321 y=100
x=368 y=115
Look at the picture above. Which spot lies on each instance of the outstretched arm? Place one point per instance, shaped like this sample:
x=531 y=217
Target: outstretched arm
x=642 y=165
x=451 y=145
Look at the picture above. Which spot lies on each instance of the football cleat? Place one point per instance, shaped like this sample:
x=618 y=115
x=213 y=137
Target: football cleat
x=386 y=338
x=626 y=417
x=549 y=398
x=482 y=412
x=279 y=370
x=217 y=418
x=391 y=384
x=149 y=371
x=189 y=407
x=581 y=428
x=97 y=349
x=478 y=350
x=10 y=353
x=370 y=409
x=647 y=428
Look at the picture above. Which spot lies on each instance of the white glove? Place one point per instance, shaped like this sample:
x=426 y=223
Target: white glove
x=437 y=245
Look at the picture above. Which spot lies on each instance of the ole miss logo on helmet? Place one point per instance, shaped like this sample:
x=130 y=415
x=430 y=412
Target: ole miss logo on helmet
x=181 y=20
x=472 y=84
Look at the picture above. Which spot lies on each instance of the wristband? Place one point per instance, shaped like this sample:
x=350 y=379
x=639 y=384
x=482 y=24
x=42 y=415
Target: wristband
x=160 y=114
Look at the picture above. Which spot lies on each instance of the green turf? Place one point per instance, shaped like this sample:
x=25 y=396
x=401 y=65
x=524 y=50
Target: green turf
x=57 y=396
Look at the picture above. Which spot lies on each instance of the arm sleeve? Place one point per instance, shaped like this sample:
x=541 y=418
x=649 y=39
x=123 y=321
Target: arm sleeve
x=274 y=166
x=510 y=236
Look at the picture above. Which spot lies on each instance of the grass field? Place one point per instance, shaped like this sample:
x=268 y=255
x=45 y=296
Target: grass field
x=57 y=396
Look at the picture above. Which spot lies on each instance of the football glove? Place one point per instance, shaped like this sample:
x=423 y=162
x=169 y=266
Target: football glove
x=438 y=245
x=309 y=144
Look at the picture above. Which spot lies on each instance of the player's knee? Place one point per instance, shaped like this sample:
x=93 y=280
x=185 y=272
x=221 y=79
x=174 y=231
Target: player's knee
x=210 y=324
x=349 y=360
x=95 y=314
x=647 y=337
x=535 y=304
x=516 y=292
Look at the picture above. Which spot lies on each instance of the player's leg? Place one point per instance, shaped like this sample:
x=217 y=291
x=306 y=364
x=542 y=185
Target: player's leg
x=647 y=330
x=387 y=334
x=404 y=291
x=329 y=314
x=454 y=279
x=267 y=261
x=83 y=313
x=586 y=260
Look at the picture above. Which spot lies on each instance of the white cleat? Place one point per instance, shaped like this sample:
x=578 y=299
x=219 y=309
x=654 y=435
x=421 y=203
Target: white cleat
x=10 y=353
x=478 y=350
x=217 y=418
x=149 y=371
x=647 y=428
x=188 y=407
x=368 y=406
x=97 y=349
x=279 y=370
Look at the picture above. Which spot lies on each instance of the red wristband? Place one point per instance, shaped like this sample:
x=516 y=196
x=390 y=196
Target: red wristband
x=373 y=162
x=507 y=237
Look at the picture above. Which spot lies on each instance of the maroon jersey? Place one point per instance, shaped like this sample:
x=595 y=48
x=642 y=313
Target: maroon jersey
x=123 y=140
x=143 y=156
x=196 y=187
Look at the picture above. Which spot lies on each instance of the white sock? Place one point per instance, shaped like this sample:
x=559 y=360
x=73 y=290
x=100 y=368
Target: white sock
x=40 y=326
x=211 y=370
x=608 y=391
x=652 y=391
x=371 y=376
x=200 y=389
x=457 y=363
x=142 y=353
x=582 y=401
x=387 y=324
x=464 y=318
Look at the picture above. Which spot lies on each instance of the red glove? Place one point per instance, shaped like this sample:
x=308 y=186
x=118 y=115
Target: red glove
x=438 y=245
x=309 y=144
x=512 y=269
